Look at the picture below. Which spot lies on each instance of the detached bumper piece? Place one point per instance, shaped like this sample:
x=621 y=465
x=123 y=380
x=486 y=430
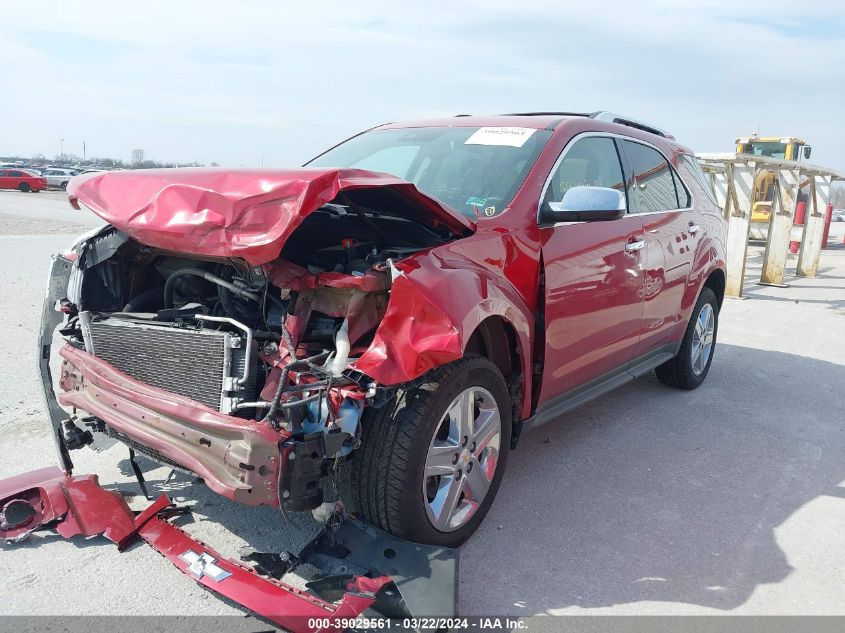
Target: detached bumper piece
x=272 y=599
x=362 y=566
x=74 y=505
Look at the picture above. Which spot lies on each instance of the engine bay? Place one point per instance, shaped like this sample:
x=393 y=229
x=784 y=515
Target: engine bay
x=269 y=344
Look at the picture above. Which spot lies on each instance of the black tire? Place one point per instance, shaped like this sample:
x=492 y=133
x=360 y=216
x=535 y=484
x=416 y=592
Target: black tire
x=24 y=187
x=64 y=185
x=678 y=372
x=388 y=468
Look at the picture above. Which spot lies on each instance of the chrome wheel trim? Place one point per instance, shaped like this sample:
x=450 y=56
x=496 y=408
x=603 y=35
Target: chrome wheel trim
x=462 y=459
x=702 y=338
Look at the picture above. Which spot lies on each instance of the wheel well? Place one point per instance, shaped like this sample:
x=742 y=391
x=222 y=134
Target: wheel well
x=716 y=283
x=495 y=339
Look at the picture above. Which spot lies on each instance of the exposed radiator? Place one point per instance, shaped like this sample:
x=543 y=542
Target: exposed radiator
x=201 y=364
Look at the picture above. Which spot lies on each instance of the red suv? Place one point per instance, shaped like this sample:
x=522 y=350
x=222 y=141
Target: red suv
x=410 y=302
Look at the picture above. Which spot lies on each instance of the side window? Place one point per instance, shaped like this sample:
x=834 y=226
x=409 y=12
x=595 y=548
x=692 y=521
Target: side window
x=655 y=185
x=2 y=173
x=591 y=162
x=15 y=174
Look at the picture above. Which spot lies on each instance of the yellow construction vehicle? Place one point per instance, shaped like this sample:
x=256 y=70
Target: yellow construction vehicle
x=783 y=148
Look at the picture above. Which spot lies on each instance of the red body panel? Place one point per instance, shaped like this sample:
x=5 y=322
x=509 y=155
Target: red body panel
x=439 y=300
x=231 y=213
x=594 y=301
x=83 y=507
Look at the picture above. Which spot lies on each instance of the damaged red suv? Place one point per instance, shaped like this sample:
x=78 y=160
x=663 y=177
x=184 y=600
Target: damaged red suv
x=410 y=302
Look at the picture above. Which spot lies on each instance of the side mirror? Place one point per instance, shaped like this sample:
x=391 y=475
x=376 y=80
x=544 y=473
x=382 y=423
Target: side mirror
x=586 y=204
x=806 y=150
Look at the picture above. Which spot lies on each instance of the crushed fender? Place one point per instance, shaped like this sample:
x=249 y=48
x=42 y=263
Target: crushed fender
x=360 y=566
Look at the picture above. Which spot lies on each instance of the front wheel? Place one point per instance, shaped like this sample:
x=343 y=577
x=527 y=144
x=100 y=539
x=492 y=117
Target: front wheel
x=689 y=368
x=431 y=462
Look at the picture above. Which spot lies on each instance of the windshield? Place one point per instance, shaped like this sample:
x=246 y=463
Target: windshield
x=775 y=150
x=476 y=171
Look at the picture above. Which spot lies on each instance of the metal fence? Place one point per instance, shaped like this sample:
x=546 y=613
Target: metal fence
x=732 y=177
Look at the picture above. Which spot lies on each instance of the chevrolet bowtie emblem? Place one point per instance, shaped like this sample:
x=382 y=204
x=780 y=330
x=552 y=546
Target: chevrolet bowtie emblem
x=200 y=565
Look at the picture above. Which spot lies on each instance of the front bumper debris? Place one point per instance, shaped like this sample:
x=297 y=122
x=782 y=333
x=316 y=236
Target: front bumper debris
x=237 y=458
x=361 y=568
x=76 y=505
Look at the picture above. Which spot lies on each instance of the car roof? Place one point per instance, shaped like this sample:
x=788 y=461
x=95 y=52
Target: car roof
x=608 y=121
x=538 y=121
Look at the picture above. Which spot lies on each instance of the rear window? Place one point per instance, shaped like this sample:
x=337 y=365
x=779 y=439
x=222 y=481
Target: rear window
x=695 y=170
x=655 y=186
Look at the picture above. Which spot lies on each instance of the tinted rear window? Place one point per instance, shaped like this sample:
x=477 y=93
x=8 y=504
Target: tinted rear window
x=655 y=184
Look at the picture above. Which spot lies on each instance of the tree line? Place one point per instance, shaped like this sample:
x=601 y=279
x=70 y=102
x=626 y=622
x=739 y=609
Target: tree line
x=139 y=161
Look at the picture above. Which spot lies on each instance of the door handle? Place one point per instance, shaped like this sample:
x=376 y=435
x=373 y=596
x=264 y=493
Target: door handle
x=633 y=247
x=693 y=229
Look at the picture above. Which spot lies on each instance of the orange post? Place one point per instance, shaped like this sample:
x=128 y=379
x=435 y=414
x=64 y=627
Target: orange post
x=828 y=216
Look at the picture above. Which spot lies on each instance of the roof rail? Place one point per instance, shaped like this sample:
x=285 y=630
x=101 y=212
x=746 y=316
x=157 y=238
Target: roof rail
x=545 y=114
x=604 y=115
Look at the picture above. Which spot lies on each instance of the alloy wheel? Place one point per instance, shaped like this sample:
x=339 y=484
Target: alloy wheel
x=462 y=459
x=702 y=339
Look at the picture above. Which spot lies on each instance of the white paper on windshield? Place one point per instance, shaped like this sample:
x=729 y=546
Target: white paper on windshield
x=510 y=136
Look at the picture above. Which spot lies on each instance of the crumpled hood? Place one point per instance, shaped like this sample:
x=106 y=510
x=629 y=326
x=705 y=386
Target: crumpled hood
x=247 y=213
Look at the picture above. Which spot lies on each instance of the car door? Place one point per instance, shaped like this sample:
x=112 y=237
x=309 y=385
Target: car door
x=54 y=177
x=16 y=177
x=662 y=201
x=5 y=180
x=593 y=276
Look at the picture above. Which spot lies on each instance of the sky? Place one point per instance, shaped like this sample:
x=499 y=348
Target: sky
x=239 y=83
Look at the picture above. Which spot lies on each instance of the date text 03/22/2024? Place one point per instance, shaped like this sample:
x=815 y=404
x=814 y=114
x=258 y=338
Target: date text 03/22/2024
x=420 y=624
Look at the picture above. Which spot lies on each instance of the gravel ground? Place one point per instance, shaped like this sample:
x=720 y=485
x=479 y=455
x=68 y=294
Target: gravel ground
x=728 y=499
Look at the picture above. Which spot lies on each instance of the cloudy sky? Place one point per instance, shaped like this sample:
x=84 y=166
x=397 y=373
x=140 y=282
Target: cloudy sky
x=233 y=82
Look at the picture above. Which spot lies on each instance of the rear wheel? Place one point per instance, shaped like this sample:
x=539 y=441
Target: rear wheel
x=431 y=462
x=24 y=187
x=64 y=185
x=689 y=368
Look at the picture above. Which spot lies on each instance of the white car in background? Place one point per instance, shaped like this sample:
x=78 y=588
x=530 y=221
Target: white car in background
x=58 y=177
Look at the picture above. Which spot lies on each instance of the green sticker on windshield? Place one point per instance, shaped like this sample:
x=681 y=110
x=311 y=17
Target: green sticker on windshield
x=476 y=202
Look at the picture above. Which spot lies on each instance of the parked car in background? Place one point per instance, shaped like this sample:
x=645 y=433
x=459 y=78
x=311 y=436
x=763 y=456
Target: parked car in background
x=59 y=177
x=22 y=180
x=838 y=215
